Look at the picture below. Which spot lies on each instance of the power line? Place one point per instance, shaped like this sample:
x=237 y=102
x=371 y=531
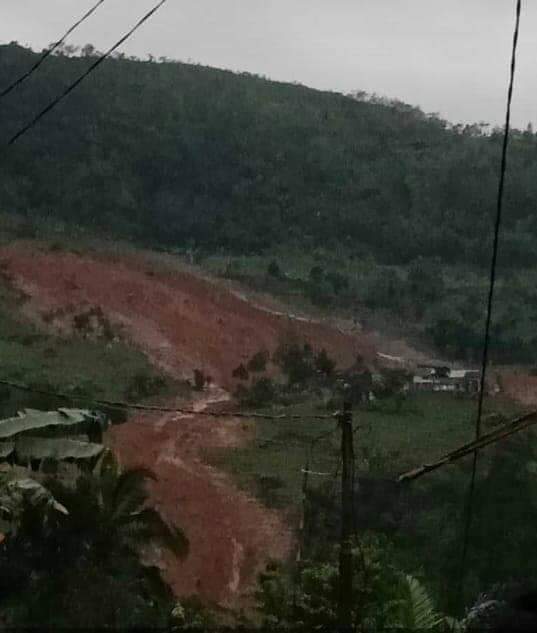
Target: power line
x=93 y=66
x=49 y=51
x=506 y=430
x=117 y=404
x=490 y=300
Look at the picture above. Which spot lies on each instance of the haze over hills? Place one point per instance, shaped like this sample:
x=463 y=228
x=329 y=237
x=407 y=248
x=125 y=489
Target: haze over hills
x=178 y=154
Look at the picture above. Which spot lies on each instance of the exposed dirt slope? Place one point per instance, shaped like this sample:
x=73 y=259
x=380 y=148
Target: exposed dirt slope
x=182 y=322
x=231 y=534
x=518 y=385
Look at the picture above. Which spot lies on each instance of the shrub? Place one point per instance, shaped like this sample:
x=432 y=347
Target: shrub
x=144 y=385
x=199 y=380
x=261 y=393
x=324 y=363
x=274 y=270
x=295 y=361
x=240 y=372
x=259 y=361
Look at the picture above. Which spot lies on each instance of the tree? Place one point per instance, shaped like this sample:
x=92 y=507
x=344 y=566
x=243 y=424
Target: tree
x=425 y=283
x=324 y=363
x=384 y=598
x=295 y=361
x=118 y=504
x=274 y=270
x=261 y=393
x=199 y=380
x=241 y=372
x=258 y=362
x=316 y=274
x=82 y=565
x=88 y=50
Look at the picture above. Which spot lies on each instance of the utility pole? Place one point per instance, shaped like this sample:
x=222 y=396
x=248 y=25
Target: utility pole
x=347 y=522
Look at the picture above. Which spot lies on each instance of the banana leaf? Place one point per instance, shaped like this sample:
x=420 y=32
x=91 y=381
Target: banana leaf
x=6 y=448
x=27 y=448
x=31 y=420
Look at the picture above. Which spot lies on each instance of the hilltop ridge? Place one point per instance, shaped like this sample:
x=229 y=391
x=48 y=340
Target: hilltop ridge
x=177 y=154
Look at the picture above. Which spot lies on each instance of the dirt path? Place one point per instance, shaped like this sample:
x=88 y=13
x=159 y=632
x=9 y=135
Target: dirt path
x=182 y=322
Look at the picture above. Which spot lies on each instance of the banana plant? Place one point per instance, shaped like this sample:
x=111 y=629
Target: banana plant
x=19 y=493
x=121 y=511
x=33 y=435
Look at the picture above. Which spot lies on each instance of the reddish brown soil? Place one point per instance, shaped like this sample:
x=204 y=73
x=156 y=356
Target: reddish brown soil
x=231 y=535
x=519 y=386
x=182 y=322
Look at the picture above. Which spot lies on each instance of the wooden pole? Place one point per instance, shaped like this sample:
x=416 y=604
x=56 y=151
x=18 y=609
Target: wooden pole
x=345 y=555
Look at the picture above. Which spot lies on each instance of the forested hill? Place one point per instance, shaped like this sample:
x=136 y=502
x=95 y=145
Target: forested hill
x=182 y=154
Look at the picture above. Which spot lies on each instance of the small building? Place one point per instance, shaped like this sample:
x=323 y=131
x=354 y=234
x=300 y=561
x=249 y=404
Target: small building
x=437 y=377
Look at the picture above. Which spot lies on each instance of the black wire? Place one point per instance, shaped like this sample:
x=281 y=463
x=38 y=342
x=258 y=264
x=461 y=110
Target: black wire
x=95 y=65
x=49 y=51
x=492 y=283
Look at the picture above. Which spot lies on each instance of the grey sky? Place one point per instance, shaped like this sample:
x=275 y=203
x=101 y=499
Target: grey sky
x=448 y=56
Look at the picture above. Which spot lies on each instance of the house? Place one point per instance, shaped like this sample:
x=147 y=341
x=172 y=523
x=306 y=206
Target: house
x=439 y=377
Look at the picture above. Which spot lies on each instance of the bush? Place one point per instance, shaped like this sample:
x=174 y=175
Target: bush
x=324 y=363
x=295 y=361
x=268 y=487
x=199 y=380
x=260 y=394
x=240 y=372
x=274 y=270
x=145 y=385
x=259 y=361
x=383 y=597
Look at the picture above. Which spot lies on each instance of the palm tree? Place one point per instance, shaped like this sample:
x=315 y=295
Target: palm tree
x=23 y=494
x=85 y=567
x=110 y=507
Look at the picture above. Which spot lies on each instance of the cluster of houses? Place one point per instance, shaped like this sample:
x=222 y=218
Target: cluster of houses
x=441 y=378
x=436 y=376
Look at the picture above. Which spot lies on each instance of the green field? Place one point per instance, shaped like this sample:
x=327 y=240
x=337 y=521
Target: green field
x=78 y=366
x=428 y=537
x=386 y=443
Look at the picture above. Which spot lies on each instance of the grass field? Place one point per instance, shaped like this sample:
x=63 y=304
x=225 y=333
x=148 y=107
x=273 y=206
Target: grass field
x=386 y=443
x=73 y=365
x=424 y=524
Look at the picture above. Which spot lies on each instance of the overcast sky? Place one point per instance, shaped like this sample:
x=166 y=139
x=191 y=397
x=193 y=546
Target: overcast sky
x=446 y=56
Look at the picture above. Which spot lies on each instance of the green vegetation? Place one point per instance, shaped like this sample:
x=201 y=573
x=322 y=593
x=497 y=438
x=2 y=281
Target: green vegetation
x=383 y=597
x=354 y=205
x=70 y=550
x=75 y=365
x=46 y=438
x=429 y=302
x=209 y=158
x=210 y=162
x=429 y=425
x=423 y=521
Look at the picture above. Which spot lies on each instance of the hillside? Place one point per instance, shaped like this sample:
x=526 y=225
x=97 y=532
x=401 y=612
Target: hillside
x=355 y=204
x=177 y=154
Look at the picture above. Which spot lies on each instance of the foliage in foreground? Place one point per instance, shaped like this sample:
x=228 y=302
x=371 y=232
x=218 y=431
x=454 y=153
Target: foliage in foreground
x=74 y=555
x=383 y=598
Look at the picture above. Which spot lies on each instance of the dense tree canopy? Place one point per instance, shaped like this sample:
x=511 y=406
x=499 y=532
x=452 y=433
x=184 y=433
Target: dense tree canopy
x=182 y=154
